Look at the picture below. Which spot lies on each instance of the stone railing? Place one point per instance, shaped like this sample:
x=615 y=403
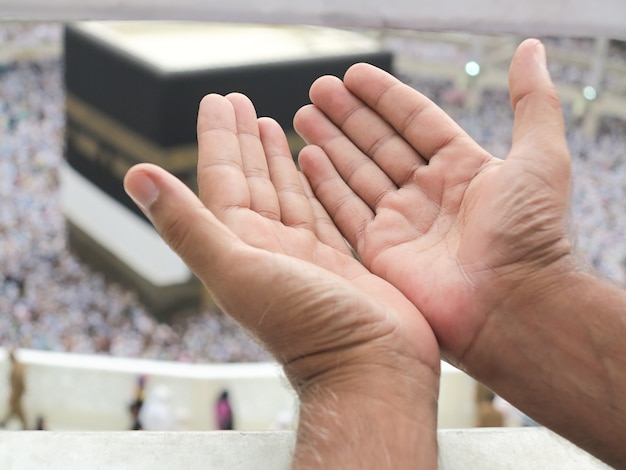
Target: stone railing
x=470 y=449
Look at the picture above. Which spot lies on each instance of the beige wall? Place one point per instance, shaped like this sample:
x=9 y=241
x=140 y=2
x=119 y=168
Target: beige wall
x=82 y=392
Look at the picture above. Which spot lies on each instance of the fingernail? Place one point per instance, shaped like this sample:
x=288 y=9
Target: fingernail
x=142 y=190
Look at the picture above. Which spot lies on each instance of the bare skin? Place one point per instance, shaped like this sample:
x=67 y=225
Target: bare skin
x=450 y=238
x=425 y=206
x=478 y=244
x=361 y=356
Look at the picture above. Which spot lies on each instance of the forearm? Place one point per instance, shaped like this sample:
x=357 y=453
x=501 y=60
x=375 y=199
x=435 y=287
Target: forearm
x=560 y=356
x=372 y=422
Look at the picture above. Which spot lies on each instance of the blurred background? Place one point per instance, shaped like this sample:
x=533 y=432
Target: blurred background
x=68 y=133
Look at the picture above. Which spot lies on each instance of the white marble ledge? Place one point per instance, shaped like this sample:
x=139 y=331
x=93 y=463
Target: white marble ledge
x=467 y=449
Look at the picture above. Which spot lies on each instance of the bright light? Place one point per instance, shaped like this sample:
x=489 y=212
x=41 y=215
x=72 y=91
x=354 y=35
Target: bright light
x=472 y=68
x=590 y=93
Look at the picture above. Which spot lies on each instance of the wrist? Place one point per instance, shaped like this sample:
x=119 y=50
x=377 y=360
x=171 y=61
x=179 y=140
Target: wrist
x=369 y=407
x=523 y=309
x=555 y=350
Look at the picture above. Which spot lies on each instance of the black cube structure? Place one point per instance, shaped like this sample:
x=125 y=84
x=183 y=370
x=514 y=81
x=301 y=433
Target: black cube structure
x=133 y=90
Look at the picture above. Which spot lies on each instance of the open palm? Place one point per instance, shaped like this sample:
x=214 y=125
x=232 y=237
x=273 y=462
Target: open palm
x=425 y=207
x=271 y=256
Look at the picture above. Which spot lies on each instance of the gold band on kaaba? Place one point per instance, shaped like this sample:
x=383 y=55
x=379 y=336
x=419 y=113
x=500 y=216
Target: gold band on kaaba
x=108 y=143
x=103 y=139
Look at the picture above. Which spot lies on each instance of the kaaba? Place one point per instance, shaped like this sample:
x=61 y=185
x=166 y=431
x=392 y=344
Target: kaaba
x=133 y=90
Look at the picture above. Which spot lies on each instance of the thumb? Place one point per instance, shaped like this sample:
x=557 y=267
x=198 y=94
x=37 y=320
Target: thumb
x=181 y=219
x=538 y=131
x=221 y=260
x=278 y=289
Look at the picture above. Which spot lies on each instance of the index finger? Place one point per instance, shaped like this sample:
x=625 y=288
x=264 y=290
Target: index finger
x=421 y=122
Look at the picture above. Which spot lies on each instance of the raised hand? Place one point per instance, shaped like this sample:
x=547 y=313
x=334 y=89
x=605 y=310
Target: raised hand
x=457 y=230
x=272 y=258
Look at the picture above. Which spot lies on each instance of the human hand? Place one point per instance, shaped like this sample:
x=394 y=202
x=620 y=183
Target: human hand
x=458 y=231
x=271 y=258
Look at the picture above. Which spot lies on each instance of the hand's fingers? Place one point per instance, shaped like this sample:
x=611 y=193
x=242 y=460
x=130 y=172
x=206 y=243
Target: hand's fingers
x=289 y=298
x=538 y=133
x=222 y=183
x=325 y=229
x=298 y=205
x=364 y=176
x=263 y=199
x=422 y=123
x=295 y=209
x=181 y=219
x=343 y=205
x=224 y=263
x=364 y=127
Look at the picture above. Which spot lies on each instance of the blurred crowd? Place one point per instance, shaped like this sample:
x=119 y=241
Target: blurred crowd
x=49 y=299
